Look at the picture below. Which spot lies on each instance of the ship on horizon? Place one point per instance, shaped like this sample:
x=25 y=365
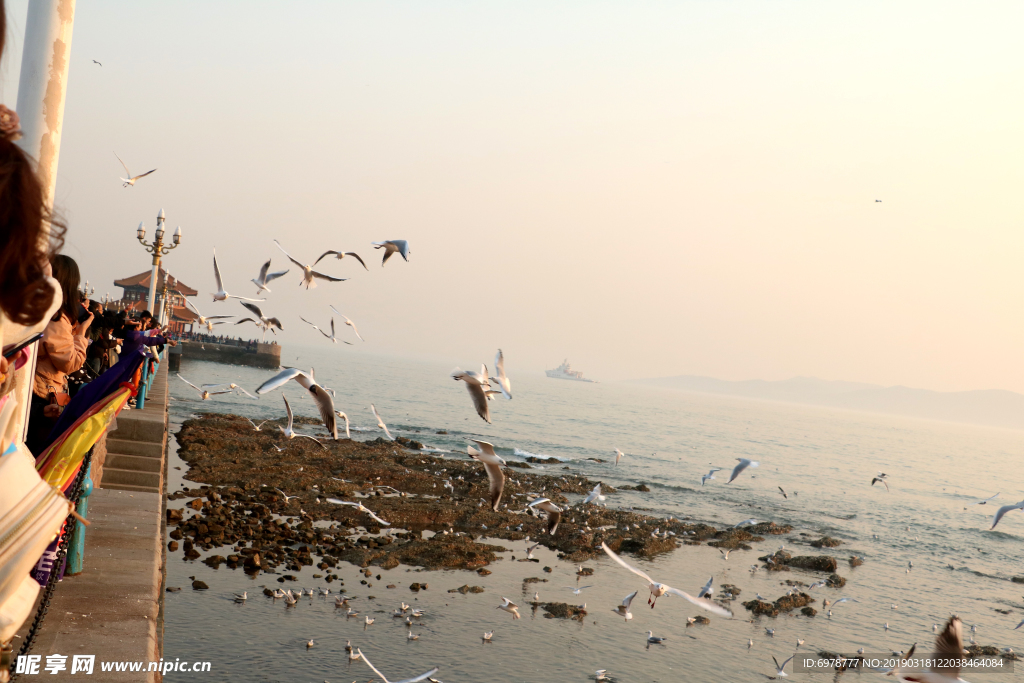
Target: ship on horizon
x=565 y=371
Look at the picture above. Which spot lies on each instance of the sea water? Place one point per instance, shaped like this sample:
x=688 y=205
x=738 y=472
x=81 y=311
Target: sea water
x=824 y=460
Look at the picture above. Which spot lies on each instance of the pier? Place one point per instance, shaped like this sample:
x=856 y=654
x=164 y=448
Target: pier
x=257 y=355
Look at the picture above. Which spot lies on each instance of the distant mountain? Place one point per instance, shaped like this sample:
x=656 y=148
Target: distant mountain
x=993 y=408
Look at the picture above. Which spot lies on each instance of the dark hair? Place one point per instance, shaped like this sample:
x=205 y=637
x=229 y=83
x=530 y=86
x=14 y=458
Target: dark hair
x=24 y=250
x=145 y=314
x=65 y=271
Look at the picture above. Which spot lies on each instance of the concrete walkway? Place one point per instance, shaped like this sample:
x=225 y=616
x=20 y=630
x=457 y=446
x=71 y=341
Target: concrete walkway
x=113 y=608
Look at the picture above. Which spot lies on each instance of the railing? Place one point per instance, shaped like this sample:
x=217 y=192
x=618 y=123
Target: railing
x=145 y=381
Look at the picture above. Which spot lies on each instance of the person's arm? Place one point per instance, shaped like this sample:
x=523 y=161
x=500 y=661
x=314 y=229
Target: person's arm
x=65 y=348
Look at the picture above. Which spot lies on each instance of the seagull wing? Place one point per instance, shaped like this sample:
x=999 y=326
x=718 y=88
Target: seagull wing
x=243 y=298
x=256 y=310
x=497 y=481
x=982 y=502
x=707 y=587
x=743 y=464
x=287 y=408
x=143 y=175
x=618 y=455
x=348 y=322
x=628 y=599
x=704 y=604
x=380 y=422
x=309 y=323
x=300 y=265
x=216 y=273
x=192 y=306
x=126 y=171
x=273 y=276
x=325 y=404
x=370 y=512
x=244 y=392
x=623 y=563
x=999 y=513
x=363 y=657
x=327 y=277
x=783 y=665
x=949 y=650
x=201 y=391
x=278 y=380
x=356 y=257
x=488 y=449
x=318 y=442
x=341 y=502
x=476 y=392
x=263 y=272
x=421 y=677
x=403 y=248
x=326 y=253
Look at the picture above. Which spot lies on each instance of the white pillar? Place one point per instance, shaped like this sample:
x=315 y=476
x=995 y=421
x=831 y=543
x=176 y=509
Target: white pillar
x=151 y=302
x=42 y=88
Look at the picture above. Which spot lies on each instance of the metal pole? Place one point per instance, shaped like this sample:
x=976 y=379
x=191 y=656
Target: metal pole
x=42 y=89
x=76 y=550
x=152 y=283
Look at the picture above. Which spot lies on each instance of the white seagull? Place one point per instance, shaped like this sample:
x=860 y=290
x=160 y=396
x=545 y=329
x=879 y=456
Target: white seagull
x=779 y=667
x=623 y=609
x=659 y=589
x=348 y=322
x=492 y=465
x=320 y=396
x=204 y=320
x=554 y=512
x=618 y=456
x=360 y=507
x=985 y=502
x=348 y=434
x=332 y=336
x=416 y=679
x=130 y=180
x=258 y=312
x=264 y=278
x=710 y=475
x=476 y=384
x=708 y=589
x=744 y=464
x=1003 y=510
x=340 y=255
x=390 y=247
x=949 y=652
x=221 y=294
x=380 y=422
x=653 y=639
x=309 y=275
x=504 y=383
x=595 y=494
x=289 y=432
x=256 y=426
x=203 y=393
x=510 y=607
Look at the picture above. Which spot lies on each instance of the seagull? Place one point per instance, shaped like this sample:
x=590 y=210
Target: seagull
x=203 y=393
x=769 y=631
x=659 y=589
x=95 y=62
x=744 y=464
x=709 y=475
x=746 y=522
x=949 y=652
x=623 y=609
x=416 y=679
x=412 y=637
x=708 y=589
x=1003 y=510
x=309 y=275
x=368 y=621
x=348 y=322
x=221 y=294
x=264 y=278
x=203 y=320
x=576 y=590
x=618 y=456
x=267 y=323
x=380 y=422
x=488 y=635
x=130 y=180
x=529 y=551
x=653 y=639
x=725 y=553
x=599 y=675
x=985 y=502
x=340 y=255
x=286 y=496
x=554 y=512
x=290 y=433
x=257 y=426
x=476 y=384
x=880 y=478
x=842 y=600
x=779 y=667
x=507 y=604
x=310 y=643
x=348 y=434
x=360 y=507
x=492 y=465
x=390 y=247
x=1014 y=628
x=787 y=498
x=332 y=336
x=504 y=383
x=799 y=642
x=323 y=400
x=595 y=494
x=241 y=597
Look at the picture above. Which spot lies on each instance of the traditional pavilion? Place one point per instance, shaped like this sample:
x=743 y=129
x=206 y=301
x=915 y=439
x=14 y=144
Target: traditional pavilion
x=170 y=297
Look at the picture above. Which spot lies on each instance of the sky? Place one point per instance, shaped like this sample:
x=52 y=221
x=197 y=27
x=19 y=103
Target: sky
x=646 y=188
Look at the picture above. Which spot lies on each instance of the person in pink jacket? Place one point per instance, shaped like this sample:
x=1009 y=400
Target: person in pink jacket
x=61 y=352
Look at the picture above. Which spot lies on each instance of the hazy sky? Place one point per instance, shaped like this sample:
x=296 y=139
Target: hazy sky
x=648 y=188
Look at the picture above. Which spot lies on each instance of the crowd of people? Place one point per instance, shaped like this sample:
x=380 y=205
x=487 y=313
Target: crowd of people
x=248 y=344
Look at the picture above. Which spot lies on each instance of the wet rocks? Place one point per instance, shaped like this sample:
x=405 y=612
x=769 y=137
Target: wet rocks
x=172 y=546
x=642 y=488
x=858 y=561
x=826 y=542
x=199 y=585
x=534 y=579
x=835 y=581
x=808 y=611
x=782 y=559
x=417 y=587
x=544 y=461
x=560 y=610
x=467 y=589
x=787 y=603
x=173 y=589
x=214 y=561
x=1017 y=579
x=698 y=621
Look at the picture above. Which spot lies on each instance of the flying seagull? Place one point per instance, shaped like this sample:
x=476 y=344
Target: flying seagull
x=492 y=465
x=348 y=322
x=783 y=492
x=264 y=278
x=949 y=652
x=289 y=432
x=348 y=434
x=221 y=294
x=256 y=426
x=743 y=464
x=360 y=507
x=320 y=396
x=710 y=475
x=985 y=502
x=266 y=323
x=95 y=62
x=380 y=422
x=504 y=383
x=1003 y=510
x=476 y=384
x=618 y=456
x=880 y=478
x=554 y=512
x=659 y=589
x=203 y=393
x=340 y=255
x=308 y=274
x=623 y=609
x=204 y=320
x=332 y=336
x=779 y=667
x=510 y=607
x=390 y=247
x=130 y=180
x=421 y=677
x=595 y=494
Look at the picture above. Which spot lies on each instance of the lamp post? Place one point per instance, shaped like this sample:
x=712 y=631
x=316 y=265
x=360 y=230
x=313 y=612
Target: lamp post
x=165 y=303
x=157 y=249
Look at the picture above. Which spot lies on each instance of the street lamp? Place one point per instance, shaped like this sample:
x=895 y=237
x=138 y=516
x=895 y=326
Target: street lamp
x=157 y=249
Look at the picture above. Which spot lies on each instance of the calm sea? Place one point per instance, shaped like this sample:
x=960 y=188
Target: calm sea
x=824 y=459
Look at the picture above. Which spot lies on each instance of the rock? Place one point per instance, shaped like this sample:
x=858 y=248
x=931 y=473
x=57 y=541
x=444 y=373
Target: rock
x=700 y=621
x=560 y=610
x=857 y=561
x=543 y=461
x=729 y=588
x=643 y=488
x=441 y=431
x=826 y=542
x=835 y=581
x=199 y=586
x=787 y=603
x=173 y=589
x=585 y=571
x=269 y=593
x=982 y=650
x=547 y=569
x=483 y=572
x=416 y=587
x=390 y=585
x=467 y=589
x=191 y=554
x=534 y=579
x=172 y=546
x=176 y=534
x=518 y=465
x=1017 y=579
x=214 y=561
x=195 y=504
x=173 y=516
x=808 y=611
x=253 y=561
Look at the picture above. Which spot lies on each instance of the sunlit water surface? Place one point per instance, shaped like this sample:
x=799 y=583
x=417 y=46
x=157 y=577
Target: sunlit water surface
x=823 y=458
